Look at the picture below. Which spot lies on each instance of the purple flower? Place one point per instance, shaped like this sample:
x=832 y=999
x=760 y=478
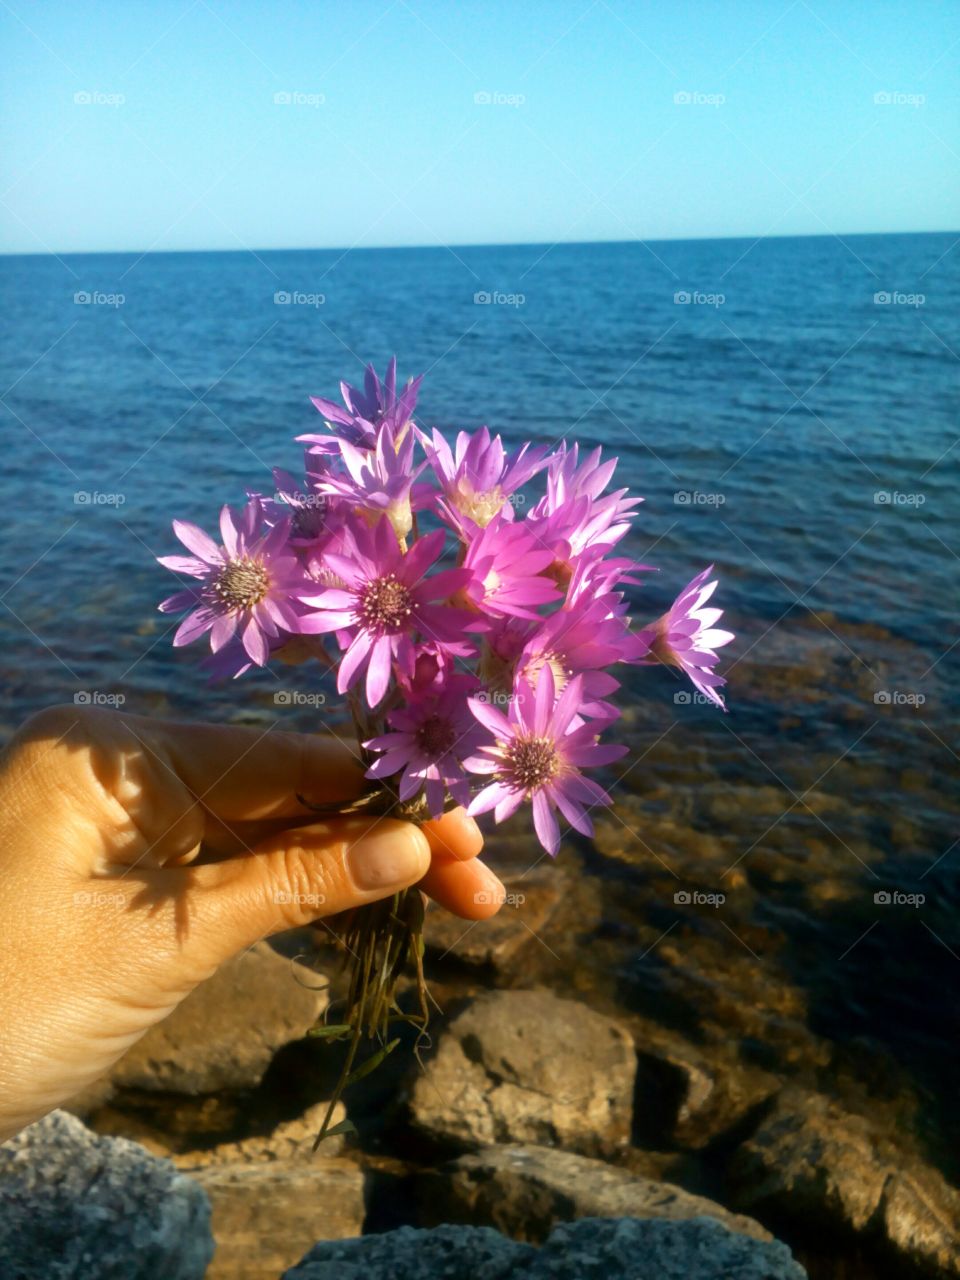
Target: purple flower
x=506 y=562
x=537 y=756
x=479 y=477
x=385 y=601
x=686 y=637
x=428 y=740
x=580 y=642
x=366 y=410
x=574 y=515
x=248 y=586
x=378 y=479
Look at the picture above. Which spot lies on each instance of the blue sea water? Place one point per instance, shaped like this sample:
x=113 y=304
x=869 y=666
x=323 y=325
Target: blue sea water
x=788 y=409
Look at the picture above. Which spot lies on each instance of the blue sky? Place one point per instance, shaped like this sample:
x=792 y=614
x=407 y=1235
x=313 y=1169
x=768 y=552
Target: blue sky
x=135 y=125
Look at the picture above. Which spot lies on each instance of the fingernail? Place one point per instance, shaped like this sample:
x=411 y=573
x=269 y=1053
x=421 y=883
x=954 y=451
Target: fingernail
x=384 y=859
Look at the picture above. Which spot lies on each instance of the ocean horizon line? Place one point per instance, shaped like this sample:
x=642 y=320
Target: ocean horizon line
x=442 y=248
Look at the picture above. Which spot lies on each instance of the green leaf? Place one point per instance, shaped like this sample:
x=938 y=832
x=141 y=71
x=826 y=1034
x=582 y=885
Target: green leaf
x=371 y=1063
x=331 y=1030
x=335 y=1130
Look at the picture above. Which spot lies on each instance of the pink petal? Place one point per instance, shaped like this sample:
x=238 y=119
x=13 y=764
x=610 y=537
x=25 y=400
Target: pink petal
x=545 y=823
x=228 y=532
x=379 y=671
x=200 y=543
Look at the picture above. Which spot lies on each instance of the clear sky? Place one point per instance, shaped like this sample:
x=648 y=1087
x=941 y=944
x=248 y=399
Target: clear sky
x=138 y=125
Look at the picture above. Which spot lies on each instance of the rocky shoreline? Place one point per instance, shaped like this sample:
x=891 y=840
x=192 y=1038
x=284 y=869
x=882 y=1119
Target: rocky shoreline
x=540 y=1127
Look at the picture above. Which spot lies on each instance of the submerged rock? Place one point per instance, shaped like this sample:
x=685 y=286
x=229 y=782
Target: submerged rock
x=266 y=1215
x=73 y=1204
x=224 y=1035
x=812 y=1163
x=525 y=1191
x=525 y=1066
x=291 y=1140
x=592 y=1249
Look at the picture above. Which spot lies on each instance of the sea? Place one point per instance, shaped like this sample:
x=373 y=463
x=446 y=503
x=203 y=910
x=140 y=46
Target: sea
x=784 y=877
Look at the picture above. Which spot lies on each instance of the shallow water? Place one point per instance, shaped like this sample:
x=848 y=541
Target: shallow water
x=798 y=434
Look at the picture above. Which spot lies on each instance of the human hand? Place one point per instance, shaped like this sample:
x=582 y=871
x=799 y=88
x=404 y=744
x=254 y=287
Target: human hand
x=138 y=855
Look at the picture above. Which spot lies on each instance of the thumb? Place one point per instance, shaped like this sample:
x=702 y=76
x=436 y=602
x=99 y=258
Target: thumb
x=303 y=874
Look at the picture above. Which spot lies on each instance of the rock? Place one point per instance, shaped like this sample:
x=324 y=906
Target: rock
x=292 y=1140
x=526 y=1191
x=75 y=1204
x=686 y=1101
x=921 y=1220
x=526 y=1066
x=815 y=1164
x=531 y=901
x=224 y=1035
x=591 y=1249
x=445 y=1253
x=266 y=1215
x=638 y=1249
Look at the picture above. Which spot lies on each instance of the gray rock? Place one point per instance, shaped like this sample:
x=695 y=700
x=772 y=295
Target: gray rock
x=638 y=1249
x=446 y=1253
x=224 y=1035
x=688 y=1101
x=526 y=1191
x=811 y=1162
x=592 y=1249
x=73 y=1204
x=525 y=1066
x=266 y=1215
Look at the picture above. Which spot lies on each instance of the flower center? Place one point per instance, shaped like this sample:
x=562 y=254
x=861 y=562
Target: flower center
x=435 y=736
x=479 y=507
x=561 y=672
x=530 y=762
x=385 y=604
x=241 y=584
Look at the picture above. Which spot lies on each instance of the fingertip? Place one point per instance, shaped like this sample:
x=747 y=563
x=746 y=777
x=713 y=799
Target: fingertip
x=454 y=835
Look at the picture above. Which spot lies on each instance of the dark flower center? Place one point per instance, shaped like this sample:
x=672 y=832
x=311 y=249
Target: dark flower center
x=530 y=762
x=436 y=736
x=241 y=584
x=385 y=604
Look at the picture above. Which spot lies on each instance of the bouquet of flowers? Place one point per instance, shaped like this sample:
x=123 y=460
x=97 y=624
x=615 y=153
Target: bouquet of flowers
x=472 y=633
